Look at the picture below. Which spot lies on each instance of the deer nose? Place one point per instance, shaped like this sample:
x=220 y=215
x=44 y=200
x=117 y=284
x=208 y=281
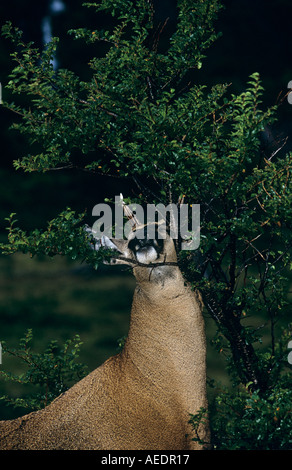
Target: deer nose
x=141 y=244
x=144 y=242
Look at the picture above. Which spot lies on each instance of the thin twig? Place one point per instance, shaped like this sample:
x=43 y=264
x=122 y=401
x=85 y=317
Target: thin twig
x=145 y=265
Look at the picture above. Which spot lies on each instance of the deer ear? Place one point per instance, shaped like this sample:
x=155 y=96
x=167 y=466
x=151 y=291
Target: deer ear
x=104 y=241
x=120 y=245
x=114 y=244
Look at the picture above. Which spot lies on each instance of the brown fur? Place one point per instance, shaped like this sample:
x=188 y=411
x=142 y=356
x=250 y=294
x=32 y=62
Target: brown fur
x=142 y=397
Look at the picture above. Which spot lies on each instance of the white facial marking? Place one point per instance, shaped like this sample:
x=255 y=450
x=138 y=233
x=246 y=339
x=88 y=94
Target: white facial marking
x=146 y=255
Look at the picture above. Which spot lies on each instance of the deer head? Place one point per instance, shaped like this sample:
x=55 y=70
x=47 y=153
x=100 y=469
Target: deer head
x=155 y=251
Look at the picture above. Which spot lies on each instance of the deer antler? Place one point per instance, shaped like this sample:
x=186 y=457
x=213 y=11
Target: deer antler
x=130 y=214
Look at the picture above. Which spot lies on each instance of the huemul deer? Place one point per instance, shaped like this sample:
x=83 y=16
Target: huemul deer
x=141 y=398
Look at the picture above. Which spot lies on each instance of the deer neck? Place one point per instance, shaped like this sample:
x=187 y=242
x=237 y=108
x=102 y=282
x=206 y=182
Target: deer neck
x=166 y=339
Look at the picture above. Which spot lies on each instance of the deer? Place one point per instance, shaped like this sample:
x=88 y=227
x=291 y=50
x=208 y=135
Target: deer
x=142 y=397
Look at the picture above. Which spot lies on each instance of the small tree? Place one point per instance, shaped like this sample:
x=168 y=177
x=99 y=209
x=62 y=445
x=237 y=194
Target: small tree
x=52 y=372
x=142 y=117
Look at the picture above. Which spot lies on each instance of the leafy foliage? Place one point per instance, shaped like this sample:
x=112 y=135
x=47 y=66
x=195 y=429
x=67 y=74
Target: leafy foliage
x=65 y=236
x=252 y=421
x=52 y=371
x=116 y=111
x=142 y=116
x=243 y=418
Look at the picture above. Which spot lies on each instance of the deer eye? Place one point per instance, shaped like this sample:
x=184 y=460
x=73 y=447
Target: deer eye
x=134 y=245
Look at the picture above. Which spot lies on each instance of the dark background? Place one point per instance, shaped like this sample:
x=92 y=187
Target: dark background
x=58 y=298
